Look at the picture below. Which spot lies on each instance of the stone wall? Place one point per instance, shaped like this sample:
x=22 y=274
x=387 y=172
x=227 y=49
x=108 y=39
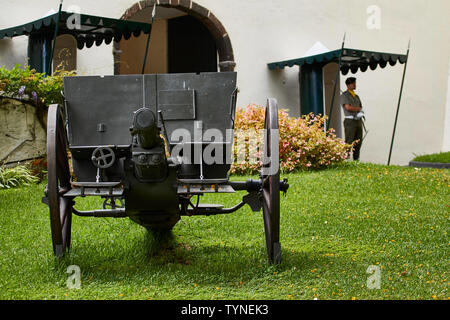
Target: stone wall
x=22 y=137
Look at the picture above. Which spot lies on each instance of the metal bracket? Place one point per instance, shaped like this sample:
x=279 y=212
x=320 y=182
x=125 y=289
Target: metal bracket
x=253 y=200
x=284 y=186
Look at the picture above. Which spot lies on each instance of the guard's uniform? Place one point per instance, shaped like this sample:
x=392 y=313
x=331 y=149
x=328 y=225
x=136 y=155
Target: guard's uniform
x=352 y=124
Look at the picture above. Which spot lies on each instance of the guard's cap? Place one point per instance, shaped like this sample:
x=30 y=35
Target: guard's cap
x=350 y=80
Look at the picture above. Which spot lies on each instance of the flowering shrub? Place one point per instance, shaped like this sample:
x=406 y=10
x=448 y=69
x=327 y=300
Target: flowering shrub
x=26 y=84
x=38 y=168
x=303 y=142
x=33 y=87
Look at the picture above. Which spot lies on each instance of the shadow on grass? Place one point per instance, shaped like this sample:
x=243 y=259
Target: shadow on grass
x=166 y=259
x=161 y=255
x=158 y=243
x=161 y=247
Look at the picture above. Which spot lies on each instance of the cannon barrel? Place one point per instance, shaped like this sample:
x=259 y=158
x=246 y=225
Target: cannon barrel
x=148 y=152
x=145 y=128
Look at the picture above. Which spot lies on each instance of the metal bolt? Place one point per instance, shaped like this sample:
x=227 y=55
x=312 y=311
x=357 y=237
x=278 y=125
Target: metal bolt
x=142 y=158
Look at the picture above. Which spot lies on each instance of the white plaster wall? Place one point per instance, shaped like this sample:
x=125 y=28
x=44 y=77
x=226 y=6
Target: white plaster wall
x=285 y=29
x=264 y=31
x=446 y=140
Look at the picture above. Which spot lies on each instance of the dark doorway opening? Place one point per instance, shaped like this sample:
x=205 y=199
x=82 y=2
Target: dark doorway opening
x=191 y=47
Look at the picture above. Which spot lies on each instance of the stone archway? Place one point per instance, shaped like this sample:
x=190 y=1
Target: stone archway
x=205 y=16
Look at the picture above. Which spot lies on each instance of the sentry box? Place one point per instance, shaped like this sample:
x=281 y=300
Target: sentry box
x=144 y=144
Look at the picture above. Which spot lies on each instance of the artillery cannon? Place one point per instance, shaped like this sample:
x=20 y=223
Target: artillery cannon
x=142 y=142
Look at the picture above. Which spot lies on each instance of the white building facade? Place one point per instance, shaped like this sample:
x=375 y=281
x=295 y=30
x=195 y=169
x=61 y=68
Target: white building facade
x=258 y=32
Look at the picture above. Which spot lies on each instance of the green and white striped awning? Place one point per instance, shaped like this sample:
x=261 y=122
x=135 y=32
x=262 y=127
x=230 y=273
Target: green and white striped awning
x=351 y=60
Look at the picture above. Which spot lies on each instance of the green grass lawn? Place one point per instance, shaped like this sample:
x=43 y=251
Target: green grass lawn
x=334 y=224
x=442 y=157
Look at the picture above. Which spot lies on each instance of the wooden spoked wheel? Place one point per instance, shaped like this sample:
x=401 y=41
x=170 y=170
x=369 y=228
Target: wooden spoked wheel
x=58 y=181
x=270 y=176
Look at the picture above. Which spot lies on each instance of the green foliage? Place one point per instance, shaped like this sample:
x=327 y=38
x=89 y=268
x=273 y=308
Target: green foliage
x=27 y=84
x=442 y=157
x=303 y=142
x=16 y=177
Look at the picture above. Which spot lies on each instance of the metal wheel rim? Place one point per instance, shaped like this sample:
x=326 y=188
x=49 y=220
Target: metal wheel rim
x=271 y=181
x=58 y=182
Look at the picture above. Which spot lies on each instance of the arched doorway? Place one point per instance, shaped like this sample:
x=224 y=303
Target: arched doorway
x=186 y=37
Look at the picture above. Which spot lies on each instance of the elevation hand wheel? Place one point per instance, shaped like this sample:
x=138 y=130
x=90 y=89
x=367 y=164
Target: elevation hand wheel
x=103 y=157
